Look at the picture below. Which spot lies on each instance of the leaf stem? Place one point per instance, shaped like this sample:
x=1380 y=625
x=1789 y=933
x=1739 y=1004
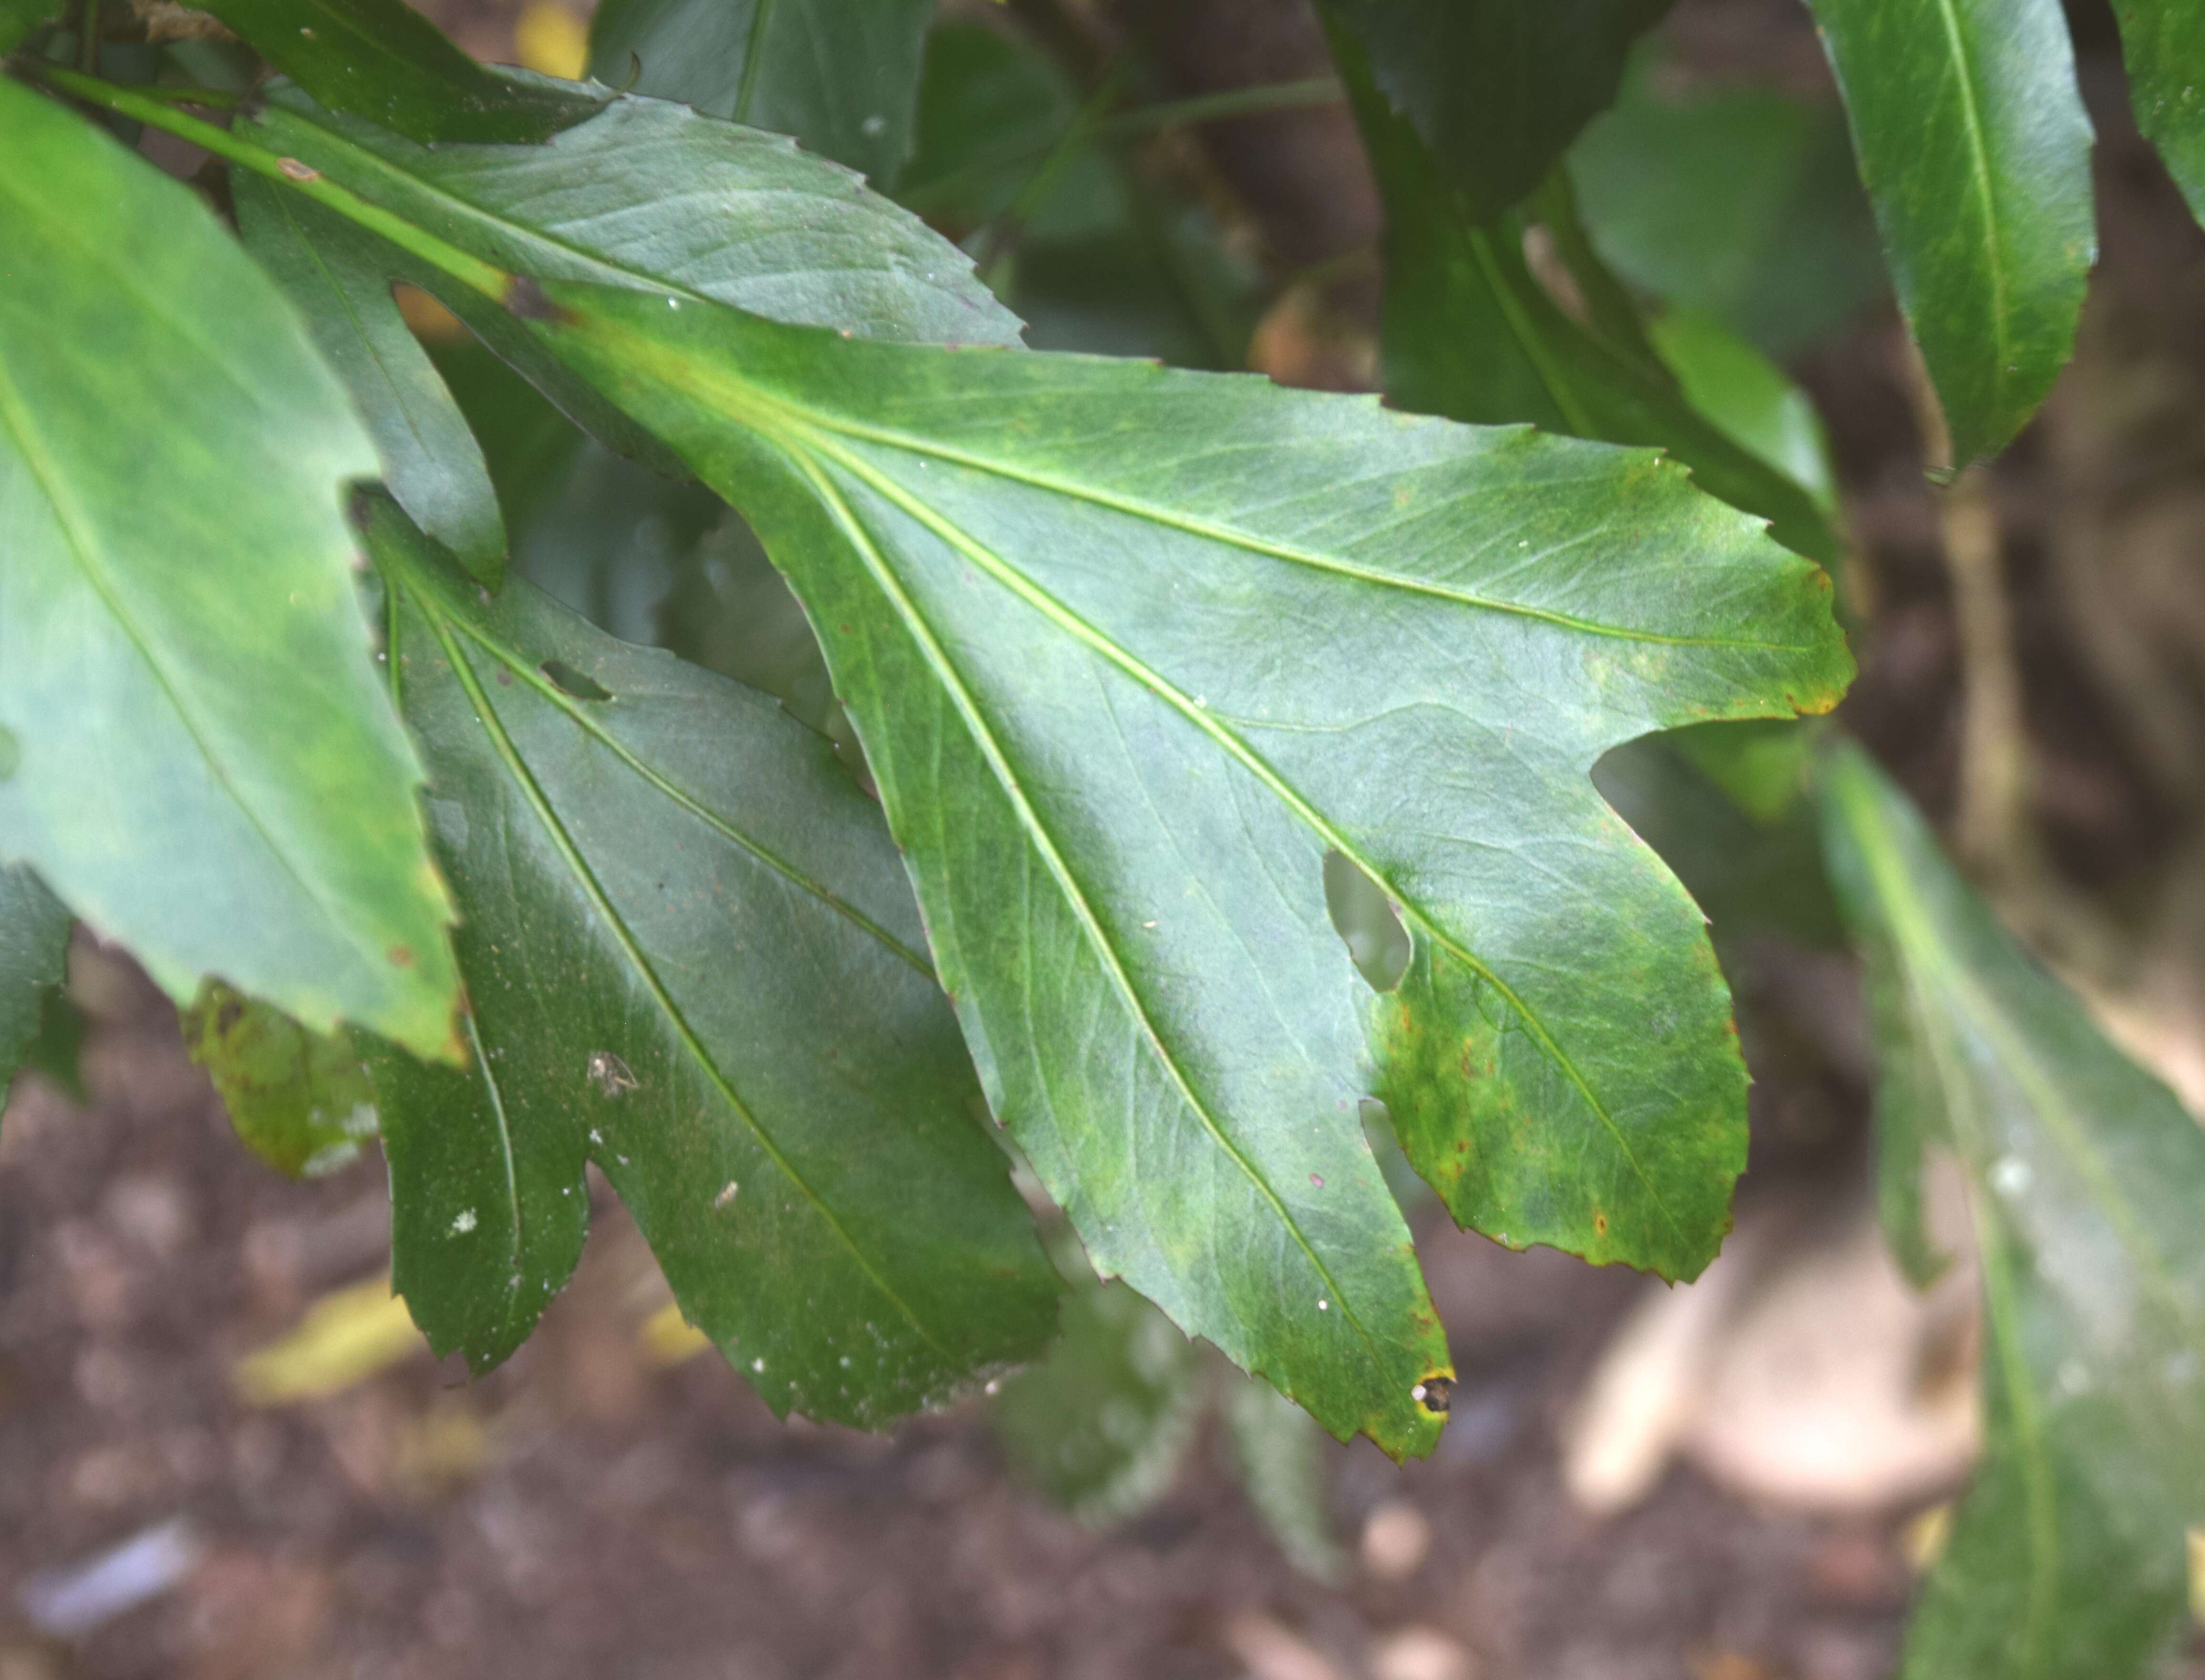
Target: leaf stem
x=87 y=36
x=155 y=113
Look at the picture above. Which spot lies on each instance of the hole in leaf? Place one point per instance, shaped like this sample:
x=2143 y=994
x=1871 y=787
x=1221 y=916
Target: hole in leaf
x=1377 y=941
x=569 y=681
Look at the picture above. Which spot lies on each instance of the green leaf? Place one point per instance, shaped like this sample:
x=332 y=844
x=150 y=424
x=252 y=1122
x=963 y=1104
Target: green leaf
x=1975 y=152
x=200 y=760
x=2163 y=43
x=1469 y=332
x=2083 y=1178
x=331 y=271
x=1497 y=89
x=1103 y=1423
x=691 y=957
x=34 y=930
x=652 y=195
x=18 y=18
x=1748 y=396
x=1740 y=203
x=1129 y=649
x=1281 y=1455
x=840 y=76
x=381 y=59
x=298 y=1099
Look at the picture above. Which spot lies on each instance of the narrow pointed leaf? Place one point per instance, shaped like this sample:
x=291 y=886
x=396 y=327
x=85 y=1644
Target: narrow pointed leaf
x=297 y=1099
x=1470 y=333
x=1497 y=88
x=2163 y=45
x=201 y=762
x=840 y=76
x=381 y=59
x=691 y=957
x=333 y=273
x=2084 y=1179
x=652 y=195
x=34 y=931
x=1130 y=650
x=1976 y=151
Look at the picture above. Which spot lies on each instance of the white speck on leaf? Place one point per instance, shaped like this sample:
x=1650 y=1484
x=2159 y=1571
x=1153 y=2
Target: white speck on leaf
x=1323 y=1305
x=727 y=1196
x=2009 y=1175
x=464 y=1223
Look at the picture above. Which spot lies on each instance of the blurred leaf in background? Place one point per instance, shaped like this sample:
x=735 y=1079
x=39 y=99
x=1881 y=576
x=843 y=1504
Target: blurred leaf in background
x=2084 y=1179
x=1740 y=203
x=297 y=1099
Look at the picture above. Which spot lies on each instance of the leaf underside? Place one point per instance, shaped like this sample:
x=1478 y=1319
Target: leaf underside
x=1121 y=695
x=2083 y=1176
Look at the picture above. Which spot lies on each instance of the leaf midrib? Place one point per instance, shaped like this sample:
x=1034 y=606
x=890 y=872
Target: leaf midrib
x=775 y=416
x=516 y=767
x=1091 y=924
x=1979 y=163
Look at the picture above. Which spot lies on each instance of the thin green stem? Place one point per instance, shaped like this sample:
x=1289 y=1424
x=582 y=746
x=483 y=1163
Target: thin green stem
x=470 y=271
x=1217 y=107
x=87 y=36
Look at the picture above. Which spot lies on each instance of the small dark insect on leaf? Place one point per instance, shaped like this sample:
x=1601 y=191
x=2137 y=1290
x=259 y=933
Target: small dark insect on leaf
x=1434 y=1394
x=612 y=1075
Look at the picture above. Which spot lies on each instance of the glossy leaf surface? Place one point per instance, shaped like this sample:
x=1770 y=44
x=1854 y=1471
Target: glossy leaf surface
x=381 y=59
x=1470 y=333
x=1123 y=690
x=1497 y=88
x=2083 y=1176
x=204 y=765
x=691 y=957
x=298 y=1099
x=840 y=76
x=34 y=931
x=2163 y=45
x=1976 y=151
x=332 y=272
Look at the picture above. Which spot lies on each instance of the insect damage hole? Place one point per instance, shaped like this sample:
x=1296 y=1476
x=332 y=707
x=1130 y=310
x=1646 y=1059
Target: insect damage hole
x=573 y=683
x=1366 y=923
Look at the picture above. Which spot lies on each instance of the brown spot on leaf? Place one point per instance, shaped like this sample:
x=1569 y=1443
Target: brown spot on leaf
x=402 y=956
x=294 y=171
x=526 y=298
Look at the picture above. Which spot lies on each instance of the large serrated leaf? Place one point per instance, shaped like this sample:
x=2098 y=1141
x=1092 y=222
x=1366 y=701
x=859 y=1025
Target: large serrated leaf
x=2084 y=1177
x=1130 y=650
x=1497 y=88
x=691 y=957
x=200 y=761
x=333 y=273
x=840 y=76
x=1976 y=151
x=34 y=930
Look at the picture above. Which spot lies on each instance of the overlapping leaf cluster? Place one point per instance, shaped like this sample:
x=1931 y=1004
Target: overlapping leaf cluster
x=1146 y=667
